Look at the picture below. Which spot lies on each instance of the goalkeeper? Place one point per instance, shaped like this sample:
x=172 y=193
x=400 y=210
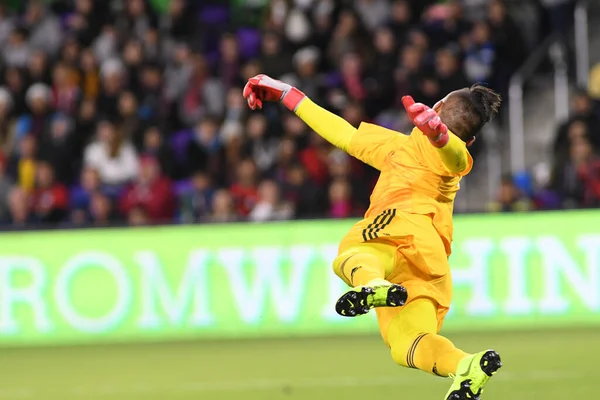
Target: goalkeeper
x=396 y=258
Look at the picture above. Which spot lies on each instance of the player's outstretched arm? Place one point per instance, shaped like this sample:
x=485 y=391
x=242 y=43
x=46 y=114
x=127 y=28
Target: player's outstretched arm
x=332 y=128
x=452 y=150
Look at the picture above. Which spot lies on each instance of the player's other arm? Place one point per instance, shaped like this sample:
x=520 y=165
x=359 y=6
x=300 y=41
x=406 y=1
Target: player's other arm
x=331 y=127
x=451 y=149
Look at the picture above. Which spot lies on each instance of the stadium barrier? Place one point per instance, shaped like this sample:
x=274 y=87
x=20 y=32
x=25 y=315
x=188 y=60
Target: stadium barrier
x=274 y=280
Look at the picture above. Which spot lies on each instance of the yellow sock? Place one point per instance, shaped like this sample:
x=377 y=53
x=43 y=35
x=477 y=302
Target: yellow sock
x=414 y=342
x=435 y=354
x=362 y=268
x=363 y=263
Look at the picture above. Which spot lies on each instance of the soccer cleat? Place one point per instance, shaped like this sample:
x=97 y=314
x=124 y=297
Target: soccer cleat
x=378 y=293
x=472 y=374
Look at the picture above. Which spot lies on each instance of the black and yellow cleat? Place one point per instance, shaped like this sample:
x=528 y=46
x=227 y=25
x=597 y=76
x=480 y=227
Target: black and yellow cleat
x=472 y=374
x=361 y=299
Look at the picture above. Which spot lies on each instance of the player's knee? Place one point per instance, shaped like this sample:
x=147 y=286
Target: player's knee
x=337 y=267
x=342 y=264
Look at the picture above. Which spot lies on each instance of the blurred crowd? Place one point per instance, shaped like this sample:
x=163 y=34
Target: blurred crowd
x=129 y=111
x=571 y=178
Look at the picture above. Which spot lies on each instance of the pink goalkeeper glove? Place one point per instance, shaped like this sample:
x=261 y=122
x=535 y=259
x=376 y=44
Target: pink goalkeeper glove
x=427 y=120
x=262 y=88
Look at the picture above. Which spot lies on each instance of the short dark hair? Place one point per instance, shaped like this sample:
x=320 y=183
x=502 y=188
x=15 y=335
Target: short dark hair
x=467 y=110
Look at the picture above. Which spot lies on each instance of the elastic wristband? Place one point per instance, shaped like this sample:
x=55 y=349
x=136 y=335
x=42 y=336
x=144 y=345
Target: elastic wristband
x=441 y=140
x=292 y=99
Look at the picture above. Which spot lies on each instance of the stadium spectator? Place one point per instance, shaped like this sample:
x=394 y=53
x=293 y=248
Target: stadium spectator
x=66 y=93
x=583 y=121
x=85 y=22
x=575 y=177
x=17 y=51
x=307 y=199
x=447 y=67
x=85 y=125
x=480 y=54
x=38 y=99
x=136 y=19
x=151 y=191
x=558 y=11
x=306 y=64
x=588 y=171
x=101 y=210
x=154 y=146
x=178 y=24
x=274 y=60
x=89 y=184
x=5 y=188
x=244 y=190
x=113 y=157
x=509 y=42
x=130 y=122
x=56 y=147
x=510 y=198
x=269 y=206
x=137 y=217
x=204 y=151
x=112 y=78
x=20 y=211
x=90 y=78
x=23 y=163
x=17 y=86
x=50 y=198
x=374 y=13
x=223 y=207
x=196 y=199
x=349 y=35
x=6 y=122
x=445 y=24
x=6 y=25
x=44 y=28
x=260 y=146
x=38 y=68
x=340 y=201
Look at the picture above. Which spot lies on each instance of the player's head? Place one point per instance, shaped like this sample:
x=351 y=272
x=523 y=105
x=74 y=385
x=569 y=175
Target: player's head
x=467 y=110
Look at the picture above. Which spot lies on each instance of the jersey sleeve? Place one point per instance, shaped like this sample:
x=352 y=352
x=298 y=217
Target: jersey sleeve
x=457 y=162
x=455 y=156
x=453 y=159
x=372 y=144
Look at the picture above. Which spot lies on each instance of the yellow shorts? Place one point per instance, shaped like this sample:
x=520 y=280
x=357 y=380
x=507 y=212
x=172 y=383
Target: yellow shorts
x=413 y=254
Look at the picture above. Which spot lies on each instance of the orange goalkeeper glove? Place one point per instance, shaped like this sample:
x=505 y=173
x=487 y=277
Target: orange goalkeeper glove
x=262 y=88
x=427 y=120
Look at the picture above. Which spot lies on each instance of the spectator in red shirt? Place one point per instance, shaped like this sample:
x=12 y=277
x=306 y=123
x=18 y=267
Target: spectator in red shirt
x=314 y=159
x=151 y=191
x=244 y=190
x=50 y=198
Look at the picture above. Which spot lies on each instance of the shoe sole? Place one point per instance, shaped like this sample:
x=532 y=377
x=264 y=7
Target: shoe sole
x=354 y=303
x=490 y=363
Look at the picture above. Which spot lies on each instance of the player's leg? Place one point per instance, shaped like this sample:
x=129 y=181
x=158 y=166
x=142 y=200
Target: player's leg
x=412 y=336
x=414 y=342
x=364 y=267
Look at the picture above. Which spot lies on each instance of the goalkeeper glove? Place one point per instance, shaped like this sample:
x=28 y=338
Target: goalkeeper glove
x=262 y=88
x=427 y=120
